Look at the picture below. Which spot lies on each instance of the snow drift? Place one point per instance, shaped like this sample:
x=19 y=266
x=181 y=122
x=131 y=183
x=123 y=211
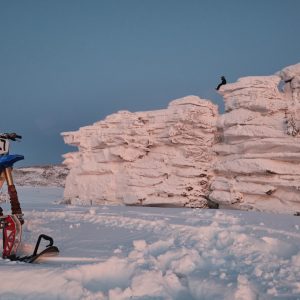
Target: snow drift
x=188 y=155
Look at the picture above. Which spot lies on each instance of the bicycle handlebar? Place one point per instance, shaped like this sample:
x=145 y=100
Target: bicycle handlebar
x=10 y=136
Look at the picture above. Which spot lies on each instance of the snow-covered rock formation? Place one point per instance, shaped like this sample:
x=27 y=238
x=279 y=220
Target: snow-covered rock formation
x=160 y=157
x=258 y=164
x=188 y=155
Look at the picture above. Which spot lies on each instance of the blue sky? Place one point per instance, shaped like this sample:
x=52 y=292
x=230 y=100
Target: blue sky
x=68 y=63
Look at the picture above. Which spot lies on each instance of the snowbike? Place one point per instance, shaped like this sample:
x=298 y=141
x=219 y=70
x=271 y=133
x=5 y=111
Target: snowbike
x=11 y=224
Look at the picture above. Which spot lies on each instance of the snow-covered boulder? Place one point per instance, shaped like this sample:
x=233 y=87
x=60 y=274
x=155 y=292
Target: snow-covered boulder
x=160 y=157
x=258 y=165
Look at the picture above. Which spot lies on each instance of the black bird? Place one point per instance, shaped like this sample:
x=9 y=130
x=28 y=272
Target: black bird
x=223 y=81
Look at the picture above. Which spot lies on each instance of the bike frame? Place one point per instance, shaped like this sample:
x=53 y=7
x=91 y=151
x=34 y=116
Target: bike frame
x=6 y=163
x=10 y=223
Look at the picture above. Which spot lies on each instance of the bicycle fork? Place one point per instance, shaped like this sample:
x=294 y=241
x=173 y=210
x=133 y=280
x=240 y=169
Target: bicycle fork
x=11 y=225
x=6 y=175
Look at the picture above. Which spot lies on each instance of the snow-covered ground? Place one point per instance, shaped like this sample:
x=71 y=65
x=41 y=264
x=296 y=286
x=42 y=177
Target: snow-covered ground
x=123 y=252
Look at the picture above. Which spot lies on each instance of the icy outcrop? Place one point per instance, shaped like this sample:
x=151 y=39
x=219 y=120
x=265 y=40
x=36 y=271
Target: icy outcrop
x=258 y=164
x=160 y=157
x=188 y=155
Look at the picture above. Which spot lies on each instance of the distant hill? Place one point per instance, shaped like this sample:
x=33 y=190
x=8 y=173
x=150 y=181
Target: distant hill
x=48 y=175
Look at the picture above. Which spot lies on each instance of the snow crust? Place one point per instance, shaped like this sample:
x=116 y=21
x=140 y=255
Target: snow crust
x=189 y=155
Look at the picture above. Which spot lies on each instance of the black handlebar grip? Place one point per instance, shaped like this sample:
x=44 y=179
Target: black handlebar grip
x=11 y=136
x=45 y=237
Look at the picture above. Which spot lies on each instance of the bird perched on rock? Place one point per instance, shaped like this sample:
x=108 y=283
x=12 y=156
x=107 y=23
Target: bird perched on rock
x=223 y=81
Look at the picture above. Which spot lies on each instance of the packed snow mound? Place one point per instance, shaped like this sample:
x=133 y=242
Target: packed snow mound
x=189 y=155
x=258 y=164
x=160 y=157
x=49 y=175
